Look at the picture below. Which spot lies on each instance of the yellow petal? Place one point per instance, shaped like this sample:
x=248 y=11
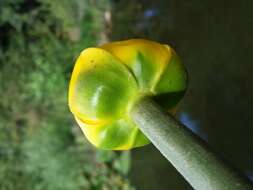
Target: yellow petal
x=146 y=59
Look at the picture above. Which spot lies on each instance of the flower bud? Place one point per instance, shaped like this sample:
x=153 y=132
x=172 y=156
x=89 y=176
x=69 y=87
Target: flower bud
x=106 y=82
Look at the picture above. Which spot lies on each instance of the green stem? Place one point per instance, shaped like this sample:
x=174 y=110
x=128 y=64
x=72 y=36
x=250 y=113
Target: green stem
x=187 y=153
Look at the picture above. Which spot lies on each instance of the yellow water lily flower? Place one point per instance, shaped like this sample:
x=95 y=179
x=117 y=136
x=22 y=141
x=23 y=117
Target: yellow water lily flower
x=107 y=80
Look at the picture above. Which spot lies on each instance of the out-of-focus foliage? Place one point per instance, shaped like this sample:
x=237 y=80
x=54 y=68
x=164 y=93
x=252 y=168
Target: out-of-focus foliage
x=40 y=145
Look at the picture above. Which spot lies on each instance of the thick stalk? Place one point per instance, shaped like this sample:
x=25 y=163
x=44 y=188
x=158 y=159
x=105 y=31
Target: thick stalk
x=186 y=152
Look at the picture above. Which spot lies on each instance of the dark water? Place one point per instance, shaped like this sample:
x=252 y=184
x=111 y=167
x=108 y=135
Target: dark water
x=215 y=41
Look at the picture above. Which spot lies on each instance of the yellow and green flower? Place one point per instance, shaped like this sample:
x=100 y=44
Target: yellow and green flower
x=107 y=81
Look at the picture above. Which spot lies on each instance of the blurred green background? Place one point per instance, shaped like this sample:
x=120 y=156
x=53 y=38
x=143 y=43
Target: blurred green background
x=41 y=147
